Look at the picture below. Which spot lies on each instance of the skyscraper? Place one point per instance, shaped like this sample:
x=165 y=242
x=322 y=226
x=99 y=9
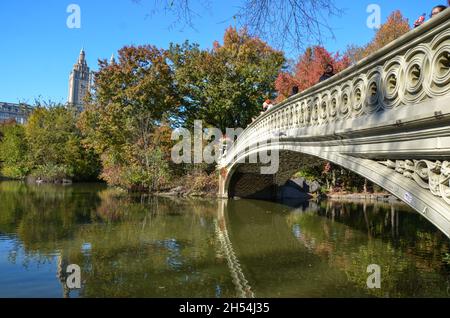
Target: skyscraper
x=79 y=82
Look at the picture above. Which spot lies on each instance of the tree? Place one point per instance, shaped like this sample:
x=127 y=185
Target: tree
x=286 y=23
x=355 y=53
x=13 y=151
x=226 y=86
x=395 y=26
x=54 y=145
x=308 y=70
x=131 y=99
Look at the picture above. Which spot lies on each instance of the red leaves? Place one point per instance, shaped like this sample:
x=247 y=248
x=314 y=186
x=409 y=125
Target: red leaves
x=312 y=63
x=309 y=69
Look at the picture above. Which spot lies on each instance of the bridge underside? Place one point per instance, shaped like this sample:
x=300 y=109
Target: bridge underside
x=248 y=182
x=417 y=183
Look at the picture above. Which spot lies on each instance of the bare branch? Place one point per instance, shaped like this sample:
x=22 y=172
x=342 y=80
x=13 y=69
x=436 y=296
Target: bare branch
x=289 y=23
x=286 y=24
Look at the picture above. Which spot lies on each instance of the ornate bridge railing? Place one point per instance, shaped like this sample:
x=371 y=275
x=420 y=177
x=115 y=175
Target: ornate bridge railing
x=411 y=70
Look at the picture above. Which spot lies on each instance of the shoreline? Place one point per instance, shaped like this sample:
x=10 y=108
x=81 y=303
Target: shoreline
x=181 y=193
x=383 y=197
x=380 y=197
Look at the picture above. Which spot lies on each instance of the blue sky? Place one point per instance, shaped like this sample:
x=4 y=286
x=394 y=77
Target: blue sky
x=38 y=50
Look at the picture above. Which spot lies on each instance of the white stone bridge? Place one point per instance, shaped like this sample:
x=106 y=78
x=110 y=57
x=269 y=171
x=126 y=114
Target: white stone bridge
x=386 y=118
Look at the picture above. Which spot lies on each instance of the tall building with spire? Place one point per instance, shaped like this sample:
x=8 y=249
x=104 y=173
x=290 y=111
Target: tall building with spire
x=79 y=82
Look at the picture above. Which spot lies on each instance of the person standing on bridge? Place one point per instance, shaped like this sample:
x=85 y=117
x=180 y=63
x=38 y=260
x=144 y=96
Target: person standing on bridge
x=438 y=9
x=329 y=72
x=267 y=105
x=420 y=21
x=434 y=12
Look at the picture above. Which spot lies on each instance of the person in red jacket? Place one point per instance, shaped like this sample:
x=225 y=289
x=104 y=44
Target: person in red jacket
x=420 y=20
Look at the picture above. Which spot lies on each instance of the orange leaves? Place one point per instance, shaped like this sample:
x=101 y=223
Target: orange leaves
x=309 y=69
x=311 y=64
x=395 y=26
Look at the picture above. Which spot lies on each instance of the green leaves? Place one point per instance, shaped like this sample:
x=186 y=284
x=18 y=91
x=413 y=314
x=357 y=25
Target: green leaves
x=13 y=151
x=226 y=86
x=48 y=147
x=55 y=146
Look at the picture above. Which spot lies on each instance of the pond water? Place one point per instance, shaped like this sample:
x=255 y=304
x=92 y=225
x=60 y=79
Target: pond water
x=141 y=246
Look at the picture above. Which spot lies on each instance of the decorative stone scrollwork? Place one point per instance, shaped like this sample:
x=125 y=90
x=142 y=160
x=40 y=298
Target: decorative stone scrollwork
x=333 y=104
x=431 y=175
x=297 y=112
x=440 y=65
x=391 y=86
x=309 y=111
x=324 y=107
x=302 y=114
x=417 y=72
x=444 y=181
x=315 y=110
x=374 y=93
x=359 y=93
x=345 y=100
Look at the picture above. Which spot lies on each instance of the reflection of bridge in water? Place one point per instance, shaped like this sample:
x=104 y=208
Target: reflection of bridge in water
x=318 y=248
x=241 y=283
x=332 y=211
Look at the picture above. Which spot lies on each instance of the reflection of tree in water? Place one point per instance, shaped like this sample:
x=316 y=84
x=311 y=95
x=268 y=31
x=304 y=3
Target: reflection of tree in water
x=352 y=236
x=41 y=216
x=273 y=261
x=332 y=258
x=161 y=247
x=138 y=245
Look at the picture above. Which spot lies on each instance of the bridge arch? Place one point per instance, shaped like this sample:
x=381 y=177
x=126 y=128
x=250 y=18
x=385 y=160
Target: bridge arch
x=407 y=189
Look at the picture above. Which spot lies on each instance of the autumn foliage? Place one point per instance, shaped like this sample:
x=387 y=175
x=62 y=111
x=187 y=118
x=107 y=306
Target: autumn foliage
x=308 y=70
x=227 y=85
x=312 y=63
x=395 y=26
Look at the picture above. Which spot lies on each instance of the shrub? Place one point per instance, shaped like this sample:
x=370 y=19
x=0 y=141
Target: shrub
x=146 y=171
x=201 y=182
x=52 y=173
